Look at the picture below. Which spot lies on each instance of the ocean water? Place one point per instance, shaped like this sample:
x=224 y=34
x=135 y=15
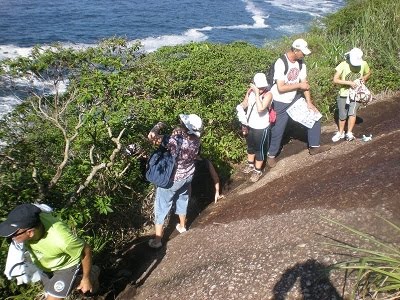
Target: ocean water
x=82 y=23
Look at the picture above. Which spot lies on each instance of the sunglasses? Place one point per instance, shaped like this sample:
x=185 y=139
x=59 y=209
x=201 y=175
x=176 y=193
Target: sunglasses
x=19 y=233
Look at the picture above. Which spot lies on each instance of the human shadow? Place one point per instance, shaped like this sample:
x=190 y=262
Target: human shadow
x=134 y=265
x=314 y=282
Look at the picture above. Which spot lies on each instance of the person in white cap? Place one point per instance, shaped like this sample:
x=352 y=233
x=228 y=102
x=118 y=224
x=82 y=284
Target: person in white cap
x=347 y=72
x=256 y=102
x=290 y=84
x=179 y=189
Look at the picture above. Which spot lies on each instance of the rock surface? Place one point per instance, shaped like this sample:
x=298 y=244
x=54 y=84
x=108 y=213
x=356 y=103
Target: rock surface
x=268 y=240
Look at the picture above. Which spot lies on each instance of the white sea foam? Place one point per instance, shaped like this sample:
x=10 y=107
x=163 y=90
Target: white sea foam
x=151 y=44
x=258 y=14
x=314 y=8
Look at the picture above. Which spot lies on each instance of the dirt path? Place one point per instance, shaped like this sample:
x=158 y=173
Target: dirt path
x=265 y=240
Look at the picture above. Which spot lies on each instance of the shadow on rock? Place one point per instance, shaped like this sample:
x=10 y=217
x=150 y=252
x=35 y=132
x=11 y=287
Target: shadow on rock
x=314 y=282
x=134 y=266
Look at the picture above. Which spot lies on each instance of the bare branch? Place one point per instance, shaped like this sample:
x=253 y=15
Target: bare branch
x=98 y=167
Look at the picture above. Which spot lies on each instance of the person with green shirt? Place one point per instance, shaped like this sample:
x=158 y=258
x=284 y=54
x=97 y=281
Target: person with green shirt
x=347 y=72
x=53 y=248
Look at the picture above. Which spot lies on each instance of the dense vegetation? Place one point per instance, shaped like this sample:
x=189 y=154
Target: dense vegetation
x=69 y=149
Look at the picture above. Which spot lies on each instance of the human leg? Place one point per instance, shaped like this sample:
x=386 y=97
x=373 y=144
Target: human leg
x=61 y=283
x=162 y=206
x=182 y=203
x=341 y=103
x=278 y=129
x=314 y=137
x=353 y=107
x=250 y=152
x=314 y=134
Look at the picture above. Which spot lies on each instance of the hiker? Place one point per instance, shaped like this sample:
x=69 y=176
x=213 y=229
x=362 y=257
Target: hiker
x=256 y=103
x=288 y=87
x=53 y=249
x=347 y=72
x=178 y=190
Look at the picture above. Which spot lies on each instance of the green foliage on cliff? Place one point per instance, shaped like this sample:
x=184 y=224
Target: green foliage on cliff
x=69 y=149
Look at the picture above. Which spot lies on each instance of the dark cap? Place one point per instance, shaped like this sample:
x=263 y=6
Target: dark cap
x=21 y=217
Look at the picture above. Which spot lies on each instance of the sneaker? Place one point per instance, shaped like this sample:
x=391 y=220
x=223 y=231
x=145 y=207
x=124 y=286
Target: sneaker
x=349 y=136
x=271 y=161
x=255 y=175
x=248 y=169
x=320 y=149
x=154 y=244
x=180 y=228
x=337 y=137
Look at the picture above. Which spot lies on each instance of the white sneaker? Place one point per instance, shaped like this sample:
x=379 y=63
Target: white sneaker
x=337 y=137
x=180 y=228
x=349 y=136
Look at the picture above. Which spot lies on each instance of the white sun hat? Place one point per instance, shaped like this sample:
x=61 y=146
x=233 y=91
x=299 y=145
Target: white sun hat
x=260 y=80
x=193 y=123
x=355 y=57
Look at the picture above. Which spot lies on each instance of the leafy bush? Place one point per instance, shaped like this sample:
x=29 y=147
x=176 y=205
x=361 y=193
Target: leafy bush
x=377 y=267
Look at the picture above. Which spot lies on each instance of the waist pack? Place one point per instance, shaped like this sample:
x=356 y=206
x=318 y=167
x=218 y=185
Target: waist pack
x=360 y=93
x=272 y=115
x=162 y=163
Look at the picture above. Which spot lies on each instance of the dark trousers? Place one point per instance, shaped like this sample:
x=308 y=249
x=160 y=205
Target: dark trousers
x=314 y=133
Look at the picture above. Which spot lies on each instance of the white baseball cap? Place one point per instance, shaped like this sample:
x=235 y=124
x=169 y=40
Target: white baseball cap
x=355 y=57
x=260 y=80
x=301 y=45
x=193 y=123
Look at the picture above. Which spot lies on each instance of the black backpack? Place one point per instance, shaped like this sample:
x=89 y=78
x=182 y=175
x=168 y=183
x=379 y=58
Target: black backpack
x=271 y=70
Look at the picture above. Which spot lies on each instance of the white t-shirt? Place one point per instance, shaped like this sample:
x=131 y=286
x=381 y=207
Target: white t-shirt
x=257 y=120
x=294 y=75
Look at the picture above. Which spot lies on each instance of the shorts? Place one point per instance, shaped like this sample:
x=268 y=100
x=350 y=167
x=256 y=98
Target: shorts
x=346 y=110
x=61 y=283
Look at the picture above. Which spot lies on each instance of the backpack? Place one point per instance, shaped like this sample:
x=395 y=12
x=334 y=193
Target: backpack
x=161 y=164
x=271 y=70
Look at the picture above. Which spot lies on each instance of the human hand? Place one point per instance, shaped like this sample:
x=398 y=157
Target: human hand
x=304 y=85
x=85 y=285
x=353 y=84
x=177 y=131
x=254 y=88
x=217 y=197
x=311 y=106
x=152 y=136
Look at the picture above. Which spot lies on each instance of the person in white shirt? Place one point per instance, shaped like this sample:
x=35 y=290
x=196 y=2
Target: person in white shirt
x=290 y=84
x=256 y=118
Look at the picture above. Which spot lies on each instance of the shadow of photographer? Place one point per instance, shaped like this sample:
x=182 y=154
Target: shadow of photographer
x=314 y=282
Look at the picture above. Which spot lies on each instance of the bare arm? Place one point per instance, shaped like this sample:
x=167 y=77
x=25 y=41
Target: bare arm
x=214 y=176
x=86 y=285
x=245 y=102
x=284 y=87
x=366 y=76
x=337 y=80
x=262 y=102
x=154 y=135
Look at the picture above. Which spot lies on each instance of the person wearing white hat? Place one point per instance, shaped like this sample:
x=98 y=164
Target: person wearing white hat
x=179 y=188
x=290 y=84
x=346 y=75
x=256 y=102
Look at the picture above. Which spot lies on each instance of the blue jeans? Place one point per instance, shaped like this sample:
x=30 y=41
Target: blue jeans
x=277 y=131
x=165 y=197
